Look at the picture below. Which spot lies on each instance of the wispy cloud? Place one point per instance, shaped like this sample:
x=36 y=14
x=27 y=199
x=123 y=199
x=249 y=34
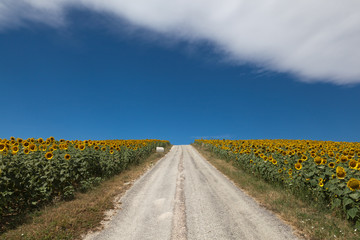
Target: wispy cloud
x=316 y=40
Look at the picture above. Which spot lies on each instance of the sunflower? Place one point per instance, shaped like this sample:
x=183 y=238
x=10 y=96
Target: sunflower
x=321 y=184
x=96 y=148
x=304 y=157
x=82 y=147
x=298 y=166
x=251 y=161
x=25 y=143
x=274 y=162
x=111 y=151
x=26 y=151
x=2 y=147
x=331 y=165
x=103 y=148
x=280 y=170
x=49 y=155
x=15 y=149
x=353 y=184
x=340 y=173
x=353 y=164
x=331 y=154
x=64 y=146
x=290 y=172
x=300 y=161
x=67 y=156
x=32 y=147
x=343 y=159
x=318 y=160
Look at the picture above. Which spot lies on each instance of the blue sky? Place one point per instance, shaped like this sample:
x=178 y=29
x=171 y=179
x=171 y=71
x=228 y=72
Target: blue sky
x=89 y=79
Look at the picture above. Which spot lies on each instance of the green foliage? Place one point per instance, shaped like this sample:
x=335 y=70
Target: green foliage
x=275 y=161
x=31 y=180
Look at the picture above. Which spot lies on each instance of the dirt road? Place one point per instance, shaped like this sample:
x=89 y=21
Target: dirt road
x=184 y=197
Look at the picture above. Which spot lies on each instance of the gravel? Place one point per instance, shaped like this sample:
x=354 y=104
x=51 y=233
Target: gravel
x=184 y=197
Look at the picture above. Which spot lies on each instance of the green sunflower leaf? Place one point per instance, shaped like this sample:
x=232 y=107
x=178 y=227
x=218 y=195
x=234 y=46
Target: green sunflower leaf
x=355 y=195
x=352 y=212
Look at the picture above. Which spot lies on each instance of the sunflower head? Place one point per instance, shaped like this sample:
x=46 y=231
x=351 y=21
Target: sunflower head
x=2 y=147
x=49 y=155
x=82 y=147
x=353 y=184
x=331 y=165
x=331 y=154
x=67 y=156
x=15 y=149
x=340 y=172
x=353 y=164
x=32 y=147
x=26 y=151
x=111 y=151
x=318 y=160
x=298 y=166
x=344 y=159
x=25 y=143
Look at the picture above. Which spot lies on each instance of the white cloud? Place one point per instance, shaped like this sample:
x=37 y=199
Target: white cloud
x=316 y=40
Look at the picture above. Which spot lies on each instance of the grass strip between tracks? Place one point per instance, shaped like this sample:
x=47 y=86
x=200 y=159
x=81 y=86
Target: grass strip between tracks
x=309 y=220
x=72 y=219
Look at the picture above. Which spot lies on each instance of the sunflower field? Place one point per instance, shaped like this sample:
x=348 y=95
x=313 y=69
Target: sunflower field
x=37 y=171
x=326 y=171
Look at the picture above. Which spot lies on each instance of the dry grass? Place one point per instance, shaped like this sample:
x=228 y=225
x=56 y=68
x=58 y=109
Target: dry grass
x=310 y=221
x=69 y=220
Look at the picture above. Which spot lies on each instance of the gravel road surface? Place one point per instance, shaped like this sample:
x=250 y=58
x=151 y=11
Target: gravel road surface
x=184 y=197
